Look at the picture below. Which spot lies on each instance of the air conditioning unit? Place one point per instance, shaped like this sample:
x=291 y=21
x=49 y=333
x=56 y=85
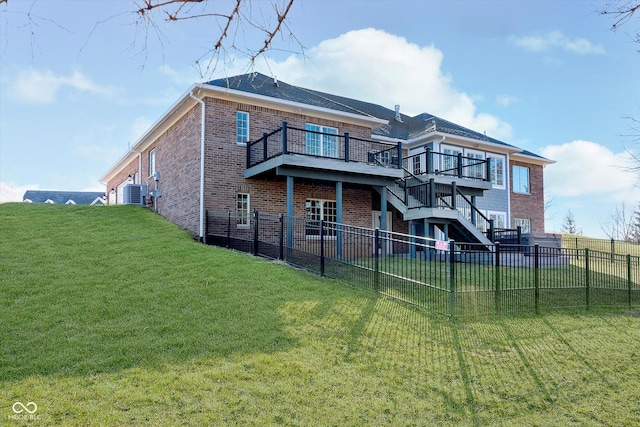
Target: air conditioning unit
x=135 y=194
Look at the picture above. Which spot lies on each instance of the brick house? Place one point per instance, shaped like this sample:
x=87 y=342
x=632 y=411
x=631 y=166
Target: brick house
x=250 y=142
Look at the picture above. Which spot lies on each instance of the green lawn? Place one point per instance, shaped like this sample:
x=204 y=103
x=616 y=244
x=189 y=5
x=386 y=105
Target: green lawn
x=113 y=316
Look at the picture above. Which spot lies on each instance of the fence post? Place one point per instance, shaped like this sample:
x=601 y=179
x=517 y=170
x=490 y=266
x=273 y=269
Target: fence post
x=613 y=250
x=322 y=247
x=497 y=270
x=229 y=230
x=255 y=232
x=519 y=232
x=376 y=260
x=284 y=138
x=492 y=232
x=452 y=277
x=399 y=165
x=346 y=146
x=429 y=158
x=586 y=282
x=459 y=171
x=536 y=277
x=629 y=278
x=280 y=237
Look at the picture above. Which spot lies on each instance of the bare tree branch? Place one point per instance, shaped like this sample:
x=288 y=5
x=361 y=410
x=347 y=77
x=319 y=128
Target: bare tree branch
x=237 y=33
x=622 y=12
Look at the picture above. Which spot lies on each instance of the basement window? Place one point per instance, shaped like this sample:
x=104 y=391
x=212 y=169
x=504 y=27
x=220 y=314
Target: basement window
x=242 y=210
x=317 y=210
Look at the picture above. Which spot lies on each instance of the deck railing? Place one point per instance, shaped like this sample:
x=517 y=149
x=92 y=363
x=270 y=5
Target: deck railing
x=292 y=140
x=455 y=165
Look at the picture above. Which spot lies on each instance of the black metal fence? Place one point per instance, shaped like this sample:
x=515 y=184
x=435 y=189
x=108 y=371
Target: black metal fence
x=611 y=246
x=446 y=277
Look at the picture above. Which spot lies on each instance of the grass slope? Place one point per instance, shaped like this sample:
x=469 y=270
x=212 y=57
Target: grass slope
x=113 y=316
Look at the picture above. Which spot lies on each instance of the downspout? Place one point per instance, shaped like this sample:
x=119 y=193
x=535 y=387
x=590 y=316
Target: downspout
x=139 y=153
x=201 y=102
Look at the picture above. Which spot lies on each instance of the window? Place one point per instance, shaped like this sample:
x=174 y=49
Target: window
x=525 y=224
x=152 y=162
x=242 y=210
x=317 y=210
x=449 y=162
x=520 y=179
x=499 y=219
x=323 y=143
x=417 y=164
x=474 y=166
x=242 y=127
x=497 y=170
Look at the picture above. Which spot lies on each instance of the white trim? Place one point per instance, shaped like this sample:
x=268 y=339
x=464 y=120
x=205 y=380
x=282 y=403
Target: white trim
x=152 y=152
x=528 y=187
x=248 y=211
x=526 y=220
x=202 y=136
x=99 y=201
x=505 y=167
x=243 y=144
x=498 y=213
x=323 y=130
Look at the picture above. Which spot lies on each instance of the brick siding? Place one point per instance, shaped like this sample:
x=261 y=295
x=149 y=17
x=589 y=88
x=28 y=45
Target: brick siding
x=529 y=206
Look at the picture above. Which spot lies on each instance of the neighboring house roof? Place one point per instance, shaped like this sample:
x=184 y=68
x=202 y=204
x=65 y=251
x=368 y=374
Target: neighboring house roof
x=64 y=197
x=407 y=128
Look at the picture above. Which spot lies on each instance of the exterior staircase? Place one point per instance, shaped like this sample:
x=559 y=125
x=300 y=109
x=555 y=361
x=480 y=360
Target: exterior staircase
x=444 y=205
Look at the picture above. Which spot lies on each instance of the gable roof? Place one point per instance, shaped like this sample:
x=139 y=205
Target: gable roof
x=407 y=128
x=63 y=197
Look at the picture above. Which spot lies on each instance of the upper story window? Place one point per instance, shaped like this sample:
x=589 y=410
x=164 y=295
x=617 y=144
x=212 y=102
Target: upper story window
x=496 y=170
x=474 y=166
x=417 y=164
x=520 y=176
x=242 y=127
x=321 y=142
x=152 y=162
x=449 y=160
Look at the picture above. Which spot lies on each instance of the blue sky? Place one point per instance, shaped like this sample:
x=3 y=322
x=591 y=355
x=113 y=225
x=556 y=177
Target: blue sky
x=79 y=82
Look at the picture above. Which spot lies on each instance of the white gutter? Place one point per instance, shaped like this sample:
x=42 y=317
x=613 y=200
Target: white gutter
x=201 y=102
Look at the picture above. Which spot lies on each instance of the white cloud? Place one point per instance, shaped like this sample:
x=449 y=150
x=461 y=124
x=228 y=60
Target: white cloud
x=506 y=100
x=557 y=39
x=588 y=169
x=386 y=69
x=12 y=192
x=41 y=87
x=590 y=180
